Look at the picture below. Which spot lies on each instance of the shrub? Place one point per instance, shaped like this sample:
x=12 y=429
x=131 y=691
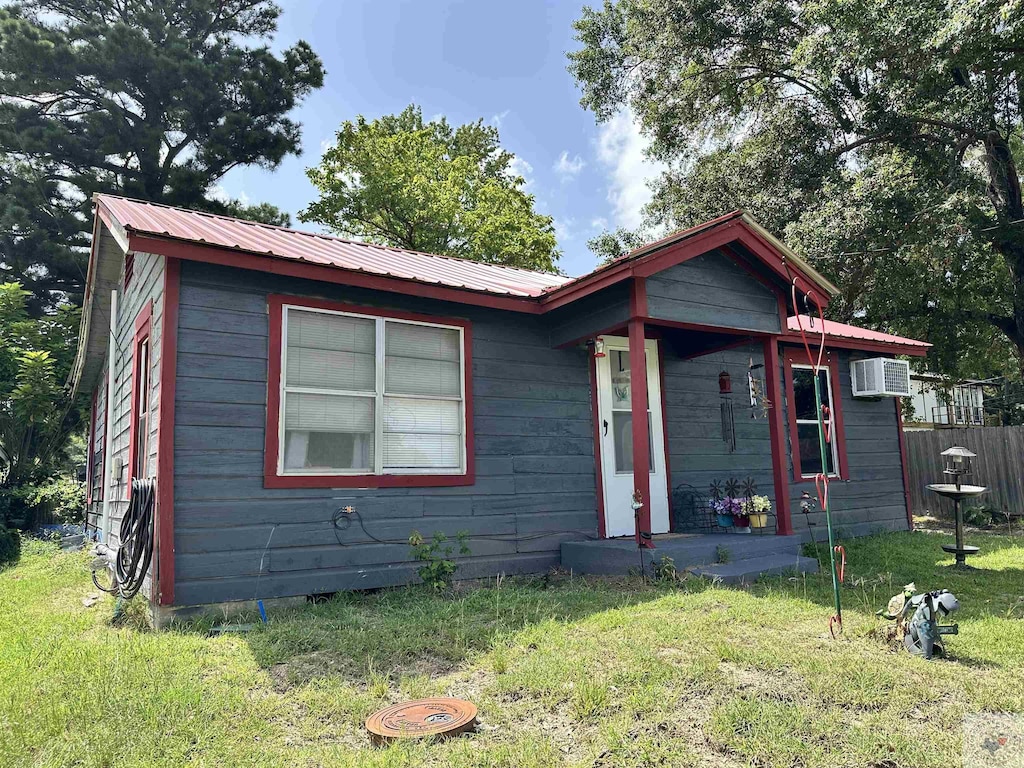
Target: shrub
x=437 y=569
x=10 y=546
x=60 y=499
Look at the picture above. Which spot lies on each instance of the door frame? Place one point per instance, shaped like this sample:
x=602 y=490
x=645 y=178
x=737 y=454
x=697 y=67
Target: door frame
x=651 y=335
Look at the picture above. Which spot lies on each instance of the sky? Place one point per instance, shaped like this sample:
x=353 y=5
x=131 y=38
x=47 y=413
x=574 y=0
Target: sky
x=504 y=62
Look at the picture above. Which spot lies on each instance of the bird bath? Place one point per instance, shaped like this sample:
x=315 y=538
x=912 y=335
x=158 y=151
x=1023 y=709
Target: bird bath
x=958 y=493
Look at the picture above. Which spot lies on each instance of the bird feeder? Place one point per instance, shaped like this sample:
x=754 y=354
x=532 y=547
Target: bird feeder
x=956 y=465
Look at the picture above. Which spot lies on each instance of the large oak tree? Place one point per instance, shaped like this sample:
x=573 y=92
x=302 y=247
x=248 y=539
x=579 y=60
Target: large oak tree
x=881 y=139
x=155 y=99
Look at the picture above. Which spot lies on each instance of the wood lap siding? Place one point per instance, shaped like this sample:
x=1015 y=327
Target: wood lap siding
x=147 y=284
x=535 y=480
x=872 y=499
x=712 y=289
x=697 y=453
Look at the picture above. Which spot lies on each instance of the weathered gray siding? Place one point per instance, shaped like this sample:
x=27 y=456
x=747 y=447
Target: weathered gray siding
x=872 y=499
x=95 y=457
x=698 y=454
x=535 y=480
x=602 y=310
x=147 y=284
x=712 y=289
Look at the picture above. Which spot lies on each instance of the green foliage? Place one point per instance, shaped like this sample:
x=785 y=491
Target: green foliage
x=10 y=546
x=722 y=554
x=438 y=568
x=664 y=569
x=891 y=165
x=151 y=99
x=60 y=499
x=36 y=413
x=426 y=186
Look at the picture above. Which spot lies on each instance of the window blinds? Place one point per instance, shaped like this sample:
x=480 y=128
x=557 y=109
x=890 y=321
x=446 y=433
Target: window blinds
x=331 y=395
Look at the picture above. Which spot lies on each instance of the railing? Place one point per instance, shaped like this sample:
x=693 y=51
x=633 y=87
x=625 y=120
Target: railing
x=958 y=416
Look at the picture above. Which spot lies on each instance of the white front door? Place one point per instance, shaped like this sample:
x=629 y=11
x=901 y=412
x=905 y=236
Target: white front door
x=616 y=431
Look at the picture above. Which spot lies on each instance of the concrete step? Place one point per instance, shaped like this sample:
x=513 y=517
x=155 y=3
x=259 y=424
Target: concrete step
x=750 y=569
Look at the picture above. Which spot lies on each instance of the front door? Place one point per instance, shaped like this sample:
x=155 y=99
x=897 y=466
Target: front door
x=616 y=431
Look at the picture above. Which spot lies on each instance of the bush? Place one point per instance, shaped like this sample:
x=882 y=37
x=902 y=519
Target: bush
x=60 y=501
x=10 y=546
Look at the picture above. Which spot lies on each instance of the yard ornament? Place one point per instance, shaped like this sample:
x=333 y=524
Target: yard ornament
x=922 y=631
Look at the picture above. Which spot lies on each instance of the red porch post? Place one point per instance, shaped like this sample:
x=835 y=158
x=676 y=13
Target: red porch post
x=641 y=438
x=777 y=436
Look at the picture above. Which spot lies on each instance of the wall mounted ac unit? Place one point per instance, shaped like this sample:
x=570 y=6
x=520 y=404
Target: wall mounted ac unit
x=880 y=376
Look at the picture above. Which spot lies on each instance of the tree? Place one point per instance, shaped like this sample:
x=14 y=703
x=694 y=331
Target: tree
x=36 y=413
x=881 y=139
x=154 y=99
x=428 y=187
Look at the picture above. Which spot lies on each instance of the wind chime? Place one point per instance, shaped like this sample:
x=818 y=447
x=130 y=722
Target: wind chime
x=728 y=417
x=837 y=554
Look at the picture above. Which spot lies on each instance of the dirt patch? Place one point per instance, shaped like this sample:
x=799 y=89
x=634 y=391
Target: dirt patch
x=320 y=664
x=780 y=685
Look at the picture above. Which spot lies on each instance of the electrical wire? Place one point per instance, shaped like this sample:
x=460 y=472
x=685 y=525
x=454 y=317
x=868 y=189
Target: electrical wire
x=341 y=521
x=135 y=551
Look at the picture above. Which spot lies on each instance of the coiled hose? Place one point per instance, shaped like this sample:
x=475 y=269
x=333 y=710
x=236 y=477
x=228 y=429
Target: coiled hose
x=135 y=551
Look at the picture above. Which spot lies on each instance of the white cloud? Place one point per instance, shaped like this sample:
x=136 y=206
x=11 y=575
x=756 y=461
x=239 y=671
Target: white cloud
x=620 y=149
x=565 y=229
x=599 y=224
x=567 y=167
x=496 y=119
x=519 y=167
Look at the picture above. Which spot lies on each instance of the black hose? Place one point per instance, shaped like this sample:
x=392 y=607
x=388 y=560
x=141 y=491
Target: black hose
x=135 y=546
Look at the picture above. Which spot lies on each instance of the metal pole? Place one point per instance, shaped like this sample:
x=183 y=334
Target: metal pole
x=823 y=447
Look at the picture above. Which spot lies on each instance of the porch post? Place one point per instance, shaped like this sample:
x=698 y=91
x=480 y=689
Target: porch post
x=772 y=372
x=641 y=438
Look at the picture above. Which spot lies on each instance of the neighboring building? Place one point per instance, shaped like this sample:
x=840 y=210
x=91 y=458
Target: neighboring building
x=278 y=383
x=940 y=403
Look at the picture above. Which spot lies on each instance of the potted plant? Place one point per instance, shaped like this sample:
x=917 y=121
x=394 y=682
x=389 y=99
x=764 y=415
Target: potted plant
x=740 y=517
x=757 y=509
x=722 y=510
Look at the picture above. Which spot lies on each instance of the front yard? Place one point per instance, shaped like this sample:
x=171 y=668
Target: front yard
x=564 y=670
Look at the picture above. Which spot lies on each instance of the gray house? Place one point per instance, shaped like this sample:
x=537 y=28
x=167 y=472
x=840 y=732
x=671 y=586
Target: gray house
x=305 y=403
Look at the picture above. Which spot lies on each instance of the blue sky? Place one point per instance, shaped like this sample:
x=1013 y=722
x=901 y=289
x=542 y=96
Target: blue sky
x=466 y=59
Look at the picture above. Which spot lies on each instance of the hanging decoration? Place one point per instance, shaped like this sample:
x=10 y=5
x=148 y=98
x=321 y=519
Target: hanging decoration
x=759 y=402
x=728 y=416
x=809 y=300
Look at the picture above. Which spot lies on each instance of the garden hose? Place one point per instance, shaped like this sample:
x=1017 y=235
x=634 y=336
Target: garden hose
x=131 y=560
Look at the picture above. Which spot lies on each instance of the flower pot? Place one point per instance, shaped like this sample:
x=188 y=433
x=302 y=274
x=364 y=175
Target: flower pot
x=741 y=521
x=725 y=521
x=758 y=521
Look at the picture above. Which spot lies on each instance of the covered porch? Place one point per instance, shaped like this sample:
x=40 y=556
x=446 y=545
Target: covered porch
x=684 y=346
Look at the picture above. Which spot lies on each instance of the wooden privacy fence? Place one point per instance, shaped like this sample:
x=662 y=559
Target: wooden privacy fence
x=998 y=466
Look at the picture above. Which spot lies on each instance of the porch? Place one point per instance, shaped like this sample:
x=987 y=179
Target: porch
x=745 y=557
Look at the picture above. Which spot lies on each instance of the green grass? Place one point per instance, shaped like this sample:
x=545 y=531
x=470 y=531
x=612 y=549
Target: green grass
x=565 y=671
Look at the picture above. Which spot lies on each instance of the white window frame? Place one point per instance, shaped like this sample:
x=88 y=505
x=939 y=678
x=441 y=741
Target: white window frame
x=834 y=444
x=379 y=396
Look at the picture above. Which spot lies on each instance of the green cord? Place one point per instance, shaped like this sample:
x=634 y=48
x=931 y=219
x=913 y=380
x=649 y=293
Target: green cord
x=823 y=446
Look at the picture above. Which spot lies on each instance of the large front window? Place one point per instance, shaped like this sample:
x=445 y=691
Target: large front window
x=365 y=394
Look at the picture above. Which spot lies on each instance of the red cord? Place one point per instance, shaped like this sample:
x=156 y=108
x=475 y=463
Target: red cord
x=841 y=565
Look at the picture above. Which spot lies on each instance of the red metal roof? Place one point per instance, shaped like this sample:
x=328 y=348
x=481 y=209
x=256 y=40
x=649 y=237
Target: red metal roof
x=324 y=250
x=836 y=330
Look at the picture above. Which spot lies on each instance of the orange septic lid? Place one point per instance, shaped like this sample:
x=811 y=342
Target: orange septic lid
x=442 y=717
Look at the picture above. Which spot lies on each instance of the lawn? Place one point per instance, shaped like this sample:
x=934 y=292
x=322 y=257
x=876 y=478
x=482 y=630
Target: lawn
x=566 y=671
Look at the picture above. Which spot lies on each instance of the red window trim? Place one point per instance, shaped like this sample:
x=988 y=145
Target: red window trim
x=90 y=453
x=271 y=478
x=799 y=357
x=143 y=327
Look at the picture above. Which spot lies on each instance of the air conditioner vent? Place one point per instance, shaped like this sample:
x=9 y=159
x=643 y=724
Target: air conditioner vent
x=879 y=377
